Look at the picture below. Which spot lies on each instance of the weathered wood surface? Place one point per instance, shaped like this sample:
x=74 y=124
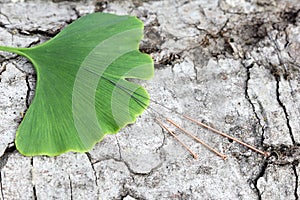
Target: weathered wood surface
x=234 y=64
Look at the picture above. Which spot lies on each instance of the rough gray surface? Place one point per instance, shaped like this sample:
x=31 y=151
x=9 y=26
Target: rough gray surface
x=233 y=64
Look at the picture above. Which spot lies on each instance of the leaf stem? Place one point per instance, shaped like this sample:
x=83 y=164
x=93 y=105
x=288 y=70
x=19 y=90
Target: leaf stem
x=12 y=50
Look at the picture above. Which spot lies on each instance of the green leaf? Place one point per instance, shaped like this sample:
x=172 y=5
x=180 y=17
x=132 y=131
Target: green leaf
x=81 y=76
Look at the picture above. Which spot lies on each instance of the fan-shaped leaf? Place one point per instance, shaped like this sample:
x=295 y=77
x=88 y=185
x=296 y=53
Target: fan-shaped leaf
x=80 y=79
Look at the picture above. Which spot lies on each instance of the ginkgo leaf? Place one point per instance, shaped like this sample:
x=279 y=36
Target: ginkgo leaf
x=81 y=74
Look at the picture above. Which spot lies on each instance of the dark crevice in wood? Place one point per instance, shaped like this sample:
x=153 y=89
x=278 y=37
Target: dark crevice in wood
x=247 y=96
x=28 y=92
x=296 y=180
x=92 y=165
x=71 y=187
x=284 y=109
x=259 y=175
x=33 y=185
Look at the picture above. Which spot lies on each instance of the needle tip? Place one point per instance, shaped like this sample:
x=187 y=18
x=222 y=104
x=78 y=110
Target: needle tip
x=224 y=157
x=267 y=154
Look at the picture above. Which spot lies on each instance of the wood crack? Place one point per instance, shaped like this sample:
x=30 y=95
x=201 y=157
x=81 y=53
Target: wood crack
x=7 y=18
x=77 y=13
x=128 y=165
x=93 y=168
x=296 y=180
x=71 y=187
x=3 y=162
x=33 y=185
x=259 y=175
x=47 y=34
x=28 y=96
x=123 y=161
x=2 y=25
x=277 y=78
x=247 y=96
x=2 y=71
x=34 y=192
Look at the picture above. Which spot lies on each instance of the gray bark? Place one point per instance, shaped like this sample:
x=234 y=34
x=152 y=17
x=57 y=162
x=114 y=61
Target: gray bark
x=232 y=64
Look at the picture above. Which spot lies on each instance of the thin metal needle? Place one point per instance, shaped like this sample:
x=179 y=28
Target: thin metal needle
x=198 y=140
x=142 y=104
x=227 y=136
x=171 y=133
